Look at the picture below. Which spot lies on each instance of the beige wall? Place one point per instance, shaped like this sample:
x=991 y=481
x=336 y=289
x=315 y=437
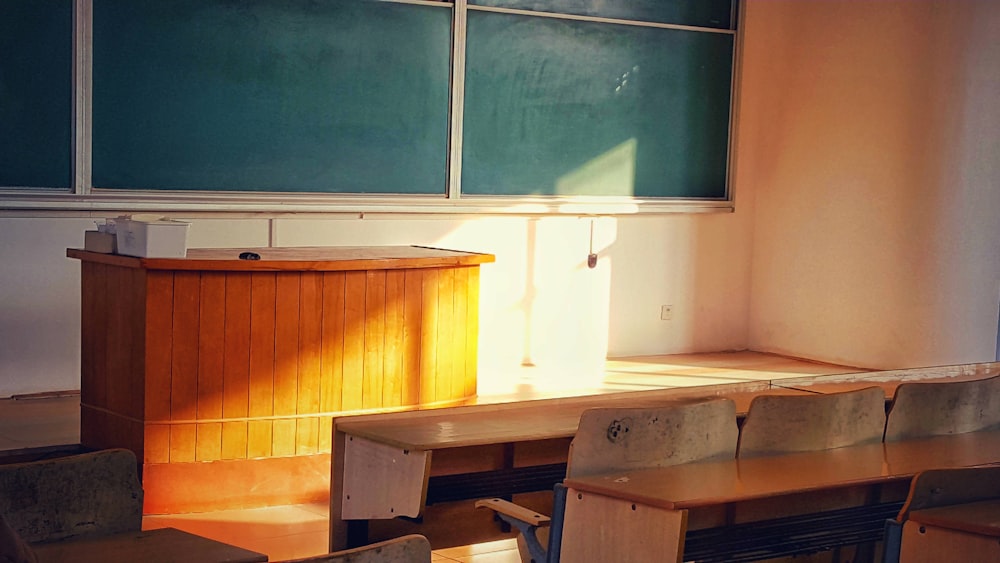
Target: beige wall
x=540 y=304
x=871 y=135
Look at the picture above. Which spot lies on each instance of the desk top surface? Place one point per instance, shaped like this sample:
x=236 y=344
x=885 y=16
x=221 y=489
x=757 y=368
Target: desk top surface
x=164 y=545
x=473 y=425
x=700 y=484
x=523 y=421
x=891 y=379
x=981 y=517
x=308 y=258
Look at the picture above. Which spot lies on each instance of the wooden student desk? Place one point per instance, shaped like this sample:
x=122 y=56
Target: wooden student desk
x=961 y=532
x=891 y=379
x=394 y=464
x=399 y=463
x=164 y=545
x=645 y=515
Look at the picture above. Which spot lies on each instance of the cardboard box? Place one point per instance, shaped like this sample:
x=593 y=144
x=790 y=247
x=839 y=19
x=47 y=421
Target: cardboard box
x=159 y=238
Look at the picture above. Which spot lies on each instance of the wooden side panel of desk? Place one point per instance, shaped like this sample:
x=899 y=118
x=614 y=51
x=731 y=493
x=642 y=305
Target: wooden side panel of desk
x=114 y=325
x=619 y=530
x=164 y=545
x=383 y=481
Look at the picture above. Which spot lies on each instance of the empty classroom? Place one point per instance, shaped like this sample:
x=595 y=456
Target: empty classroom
x=685 y=199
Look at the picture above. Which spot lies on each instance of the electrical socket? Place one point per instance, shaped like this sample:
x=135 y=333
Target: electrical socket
x=666 y=312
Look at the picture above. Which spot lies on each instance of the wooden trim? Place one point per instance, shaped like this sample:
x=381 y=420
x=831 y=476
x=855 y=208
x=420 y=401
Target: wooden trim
x=177 y=488
x=309 y=356
x=211 y=357
x=184 y=365
x=236 y=366
x=263 y=312
x=319 y=258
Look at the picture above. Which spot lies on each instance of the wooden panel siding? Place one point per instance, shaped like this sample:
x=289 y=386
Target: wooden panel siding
x=262 y=331
x=211 y=359
x=211 y=355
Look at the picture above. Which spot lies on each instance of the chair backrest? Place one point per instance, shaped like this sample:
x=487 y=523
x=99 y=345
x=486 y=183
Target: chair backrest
x=412 y=548
x=777 y=424
x=94 y=493
x=937 y=408
x=943 y=487
x=640 y=437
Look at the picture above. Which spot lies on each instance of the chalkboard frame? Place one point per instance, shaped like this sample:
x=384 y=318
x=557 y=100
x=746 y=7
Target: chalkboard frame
x=582 y=106
x=453 y=200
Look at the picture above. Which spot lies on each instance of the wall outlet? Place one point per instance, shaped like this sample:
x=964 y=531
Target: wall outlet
x=666 y=312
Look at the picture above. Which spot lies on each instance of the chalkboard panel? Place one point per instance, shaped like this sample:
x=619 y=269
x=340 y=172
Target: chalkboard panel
x=271 y=95
x=557 y=107
x=701 y=13
x=36 y=93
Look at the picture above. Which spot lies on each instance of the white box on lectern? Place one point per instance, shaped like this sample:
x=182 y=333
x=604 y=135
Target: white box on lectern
x=160 y=238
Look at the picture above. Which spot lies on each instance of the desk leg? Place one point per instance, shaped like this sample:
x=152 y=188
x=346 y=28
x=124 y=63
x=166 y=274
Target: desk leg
x=927 y=544
x=338 y=526
x=599 y=528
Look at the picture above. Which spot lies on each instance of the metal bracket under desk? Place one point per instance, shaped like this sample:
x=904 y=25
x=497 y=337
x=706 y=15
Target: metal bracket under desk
x=401 y=476
x=501 y=483
x=791 y=535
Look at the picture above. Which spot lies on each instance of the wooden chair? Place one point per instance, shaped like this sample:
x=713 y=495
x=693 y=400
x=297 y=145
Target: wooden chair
x=412 y=548
x=939 y=488
x=88 y=507
x=932 y=409
x=788 y=424
x=625 y=438
x=777 y=424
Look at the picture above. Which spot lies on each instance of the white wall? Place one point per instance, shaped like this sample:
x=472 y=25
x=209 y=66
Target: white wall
x=540 y=304
x=871 y=135
x=39 y=305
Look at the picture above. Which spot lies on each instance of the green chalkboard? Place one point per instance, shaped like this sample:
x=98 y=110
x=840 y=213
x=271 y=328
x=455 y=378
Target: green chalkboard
x=559 y=107
x=271 y=95
x=36 y=93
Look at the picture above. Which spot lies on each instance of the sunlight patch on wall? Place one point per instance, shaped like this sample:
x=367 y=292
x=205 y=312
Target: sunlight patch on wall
x=609 y=174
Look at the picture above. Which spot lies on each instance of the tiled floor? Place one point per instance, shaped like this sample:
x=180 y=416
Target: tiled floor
x=290 y=532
